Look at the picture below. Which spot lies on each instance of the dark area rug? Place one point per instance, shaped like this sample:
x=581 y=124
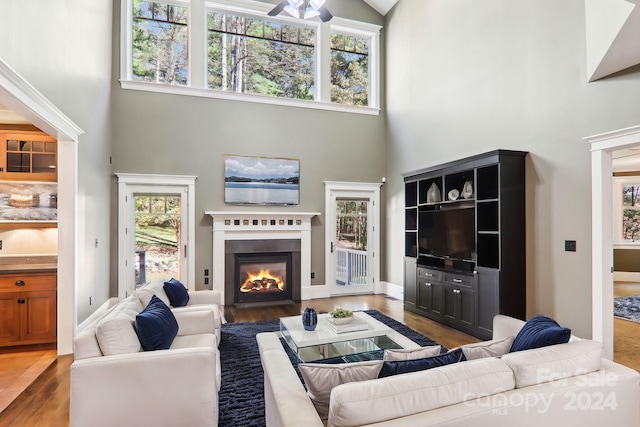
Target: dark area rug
x=627 y=307
x=241 y=401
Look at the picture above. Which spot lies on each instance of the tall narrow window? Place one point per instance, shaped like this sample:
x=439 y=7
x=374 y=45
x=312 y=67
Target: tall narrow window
x=349 y=70
x=631 y=212
x=254 y=56
x=159 y=43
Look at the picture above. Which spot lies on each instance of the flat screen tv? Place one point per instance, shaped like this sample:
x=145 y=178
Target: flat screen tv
x=447 y=232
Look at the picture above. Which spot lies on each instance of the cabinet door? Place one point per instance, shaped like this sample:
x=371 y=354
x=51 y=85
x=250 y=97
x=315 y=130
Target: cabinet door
x=459 y=306
x=466 y=300
x=488 y=300
x=38 y=313
x=410 y=281
x=9 y=317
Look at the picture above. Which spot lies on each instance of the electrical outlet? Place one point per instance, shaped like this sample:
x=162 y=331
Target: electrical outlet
x=206 y=280
x=313 y=275
x=0 y=245
x=206 y=271
x=90 y=300
x=570 y=245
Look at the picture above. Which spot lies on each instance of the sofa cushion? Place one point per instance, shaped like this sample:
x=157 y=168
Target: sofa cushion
x=177 y=293
x=411 y=354
x=145 y=292
x=402 y=367
x=540 y=331
x=371 y=402
x=115 y=333
x=156 y=326
x=493 y=348
x=554 y=362
x=320 y=379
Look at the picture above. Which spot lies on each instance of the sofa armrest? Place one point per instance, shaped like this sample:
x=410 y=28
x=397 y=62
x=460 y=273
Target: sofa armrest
x=286 y=401
x=194 y=322
x=204 y=297
x=506 y=326
x=164 y=387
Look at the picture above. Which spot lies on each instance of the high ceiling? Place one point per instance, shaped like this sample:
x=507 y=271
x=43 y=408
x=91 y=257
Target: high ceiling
x=382 y=6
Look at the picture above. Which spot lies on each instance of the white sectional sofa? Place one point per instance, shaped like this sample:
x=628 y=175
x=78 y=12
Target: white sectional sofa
x=115 y=383
x=563 y=384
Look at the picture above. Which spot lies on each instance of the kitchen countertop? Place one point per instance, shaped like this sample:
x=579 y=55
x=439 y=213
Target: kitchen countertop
x=30 y=264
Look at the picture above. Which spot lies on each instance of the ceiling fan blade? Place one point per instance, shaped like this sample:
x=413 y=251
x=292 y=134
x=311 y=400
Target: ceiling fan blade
x=279 y=8
x=325 y=15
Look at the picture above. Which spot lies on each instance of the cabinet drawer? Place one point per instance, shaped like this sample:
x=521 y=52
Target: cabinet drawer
x=425 y=273
x=459 y=280
x=32 y=282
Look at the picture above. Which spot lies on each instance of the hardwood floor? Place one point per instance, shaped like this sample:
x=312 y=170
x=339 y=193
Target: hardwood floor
x=626 y=346
x=46 y=401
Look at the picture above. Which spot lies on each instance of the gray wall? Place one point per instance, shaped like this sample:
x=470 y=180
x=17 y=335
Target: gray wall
x=172 y=134
x=465 y=77
x=63 y=48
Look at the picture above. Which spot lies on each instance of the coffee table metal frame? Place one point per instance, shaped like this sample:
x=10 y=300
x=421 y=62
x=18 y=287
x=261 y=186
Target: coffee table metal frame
x=324 y=343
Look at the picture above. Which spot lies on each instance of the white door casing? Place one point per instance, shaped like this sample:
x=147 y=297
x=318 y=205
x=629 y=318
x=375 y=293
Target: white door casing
x=353 y=190
x=128 y=186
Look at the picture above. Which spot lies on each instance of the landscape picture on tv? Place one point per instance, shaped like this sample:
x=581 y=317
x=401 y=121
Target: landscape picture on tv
x=261 y=180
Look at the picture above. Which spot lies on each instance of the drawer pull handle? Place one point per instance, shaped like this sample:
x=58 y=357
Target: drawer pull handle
x=457 y=280
x=427 y=284
x=19 y=282
x=428 y=274
x=21 y=301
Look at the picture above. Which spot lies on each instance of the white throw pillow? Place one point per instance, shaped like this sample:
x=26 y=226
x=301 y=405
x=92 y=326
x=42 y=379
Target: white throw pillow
x=554 y=362
x=144 y=293
x=321 y=378
x=115 y=333
x=493 y=348
x=411 y=354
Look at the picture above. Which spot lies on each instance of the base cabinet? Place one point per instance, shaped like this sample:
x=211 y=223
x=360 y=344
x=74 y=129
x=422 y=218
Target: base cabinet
x=28 y=315
x=410 y=283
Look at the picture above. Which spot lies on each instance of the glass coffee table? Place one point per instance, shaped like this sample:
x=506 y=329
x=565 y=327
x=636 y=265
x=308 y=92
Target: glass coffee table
x=324 y=343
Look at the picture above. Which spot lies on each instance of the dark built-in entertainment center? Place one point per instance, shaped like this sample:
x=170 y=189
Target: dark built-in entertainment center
x=465 y=241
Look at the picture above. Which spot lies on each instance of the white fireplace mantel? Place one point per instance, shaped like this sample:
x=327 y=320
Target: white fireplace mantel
x=248 y=225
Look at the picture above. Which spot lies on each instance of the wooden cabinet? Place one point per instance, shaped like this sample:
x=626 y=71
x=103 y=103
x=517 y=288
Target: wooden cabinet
x=465 y=232
x=28 y=304
x=28 y=156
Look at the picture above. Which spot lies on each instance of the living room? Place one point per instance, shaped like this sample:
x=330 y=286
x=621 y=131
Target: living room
x=508 y=75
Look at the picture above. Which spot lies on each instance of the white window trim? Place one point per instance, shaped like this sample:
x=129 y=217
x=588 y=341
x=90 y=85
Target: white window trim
x=127 y=181
x=197 y=74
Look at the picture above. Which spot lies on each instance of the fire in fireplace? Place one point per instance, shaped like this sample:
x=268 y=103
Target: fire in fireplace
x=269 y=279
x=263 y=277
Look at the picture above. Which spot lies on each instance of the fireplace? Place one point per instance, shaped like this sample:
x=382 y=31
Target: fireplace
x=263 y=277
x=262 y=271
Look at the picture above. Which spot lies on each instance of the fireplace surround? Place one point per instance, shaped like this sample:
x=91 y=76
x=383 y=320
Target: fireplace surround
x=231 y=227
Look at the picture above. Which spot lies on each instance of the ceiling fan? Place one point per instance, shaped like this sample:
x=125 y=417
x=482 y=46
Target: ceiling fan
x=303 y=9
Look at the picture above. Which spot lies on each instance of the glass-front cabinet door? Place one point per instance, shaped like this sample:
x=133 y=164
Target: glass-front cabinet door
x=28 y=156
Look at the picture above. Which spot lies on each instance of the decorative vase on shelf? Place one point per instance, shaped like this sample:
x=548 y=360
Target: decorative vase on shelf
x=309 y=319
x=433 y=194
x=467 y=190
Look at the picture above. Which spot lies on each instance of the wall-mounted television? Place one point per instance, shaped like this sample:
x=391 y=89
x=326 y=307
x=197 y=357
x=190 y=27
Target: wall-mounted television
x=447 y=232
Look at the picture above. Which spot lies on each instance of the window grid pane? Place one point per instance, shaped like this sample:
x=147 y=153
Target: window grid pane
x=249 y=55
x=159 y=43
x=349 y=70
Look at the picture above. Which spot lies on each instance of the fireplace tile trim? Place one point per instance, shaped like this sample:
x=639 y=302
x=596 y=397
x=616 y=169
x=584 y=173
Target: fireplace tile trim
x=236 y=225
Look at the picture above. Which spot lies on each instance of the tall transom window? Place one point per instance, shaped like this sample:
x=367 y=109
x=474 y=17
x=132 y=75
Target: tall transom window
x=233 y=50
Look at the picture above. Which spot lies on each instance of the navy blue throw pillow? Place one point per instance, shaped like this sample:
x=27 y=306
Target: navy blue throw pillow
x=156 y=326
x=540 y=331
x=403 y=366
x=177 y=293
